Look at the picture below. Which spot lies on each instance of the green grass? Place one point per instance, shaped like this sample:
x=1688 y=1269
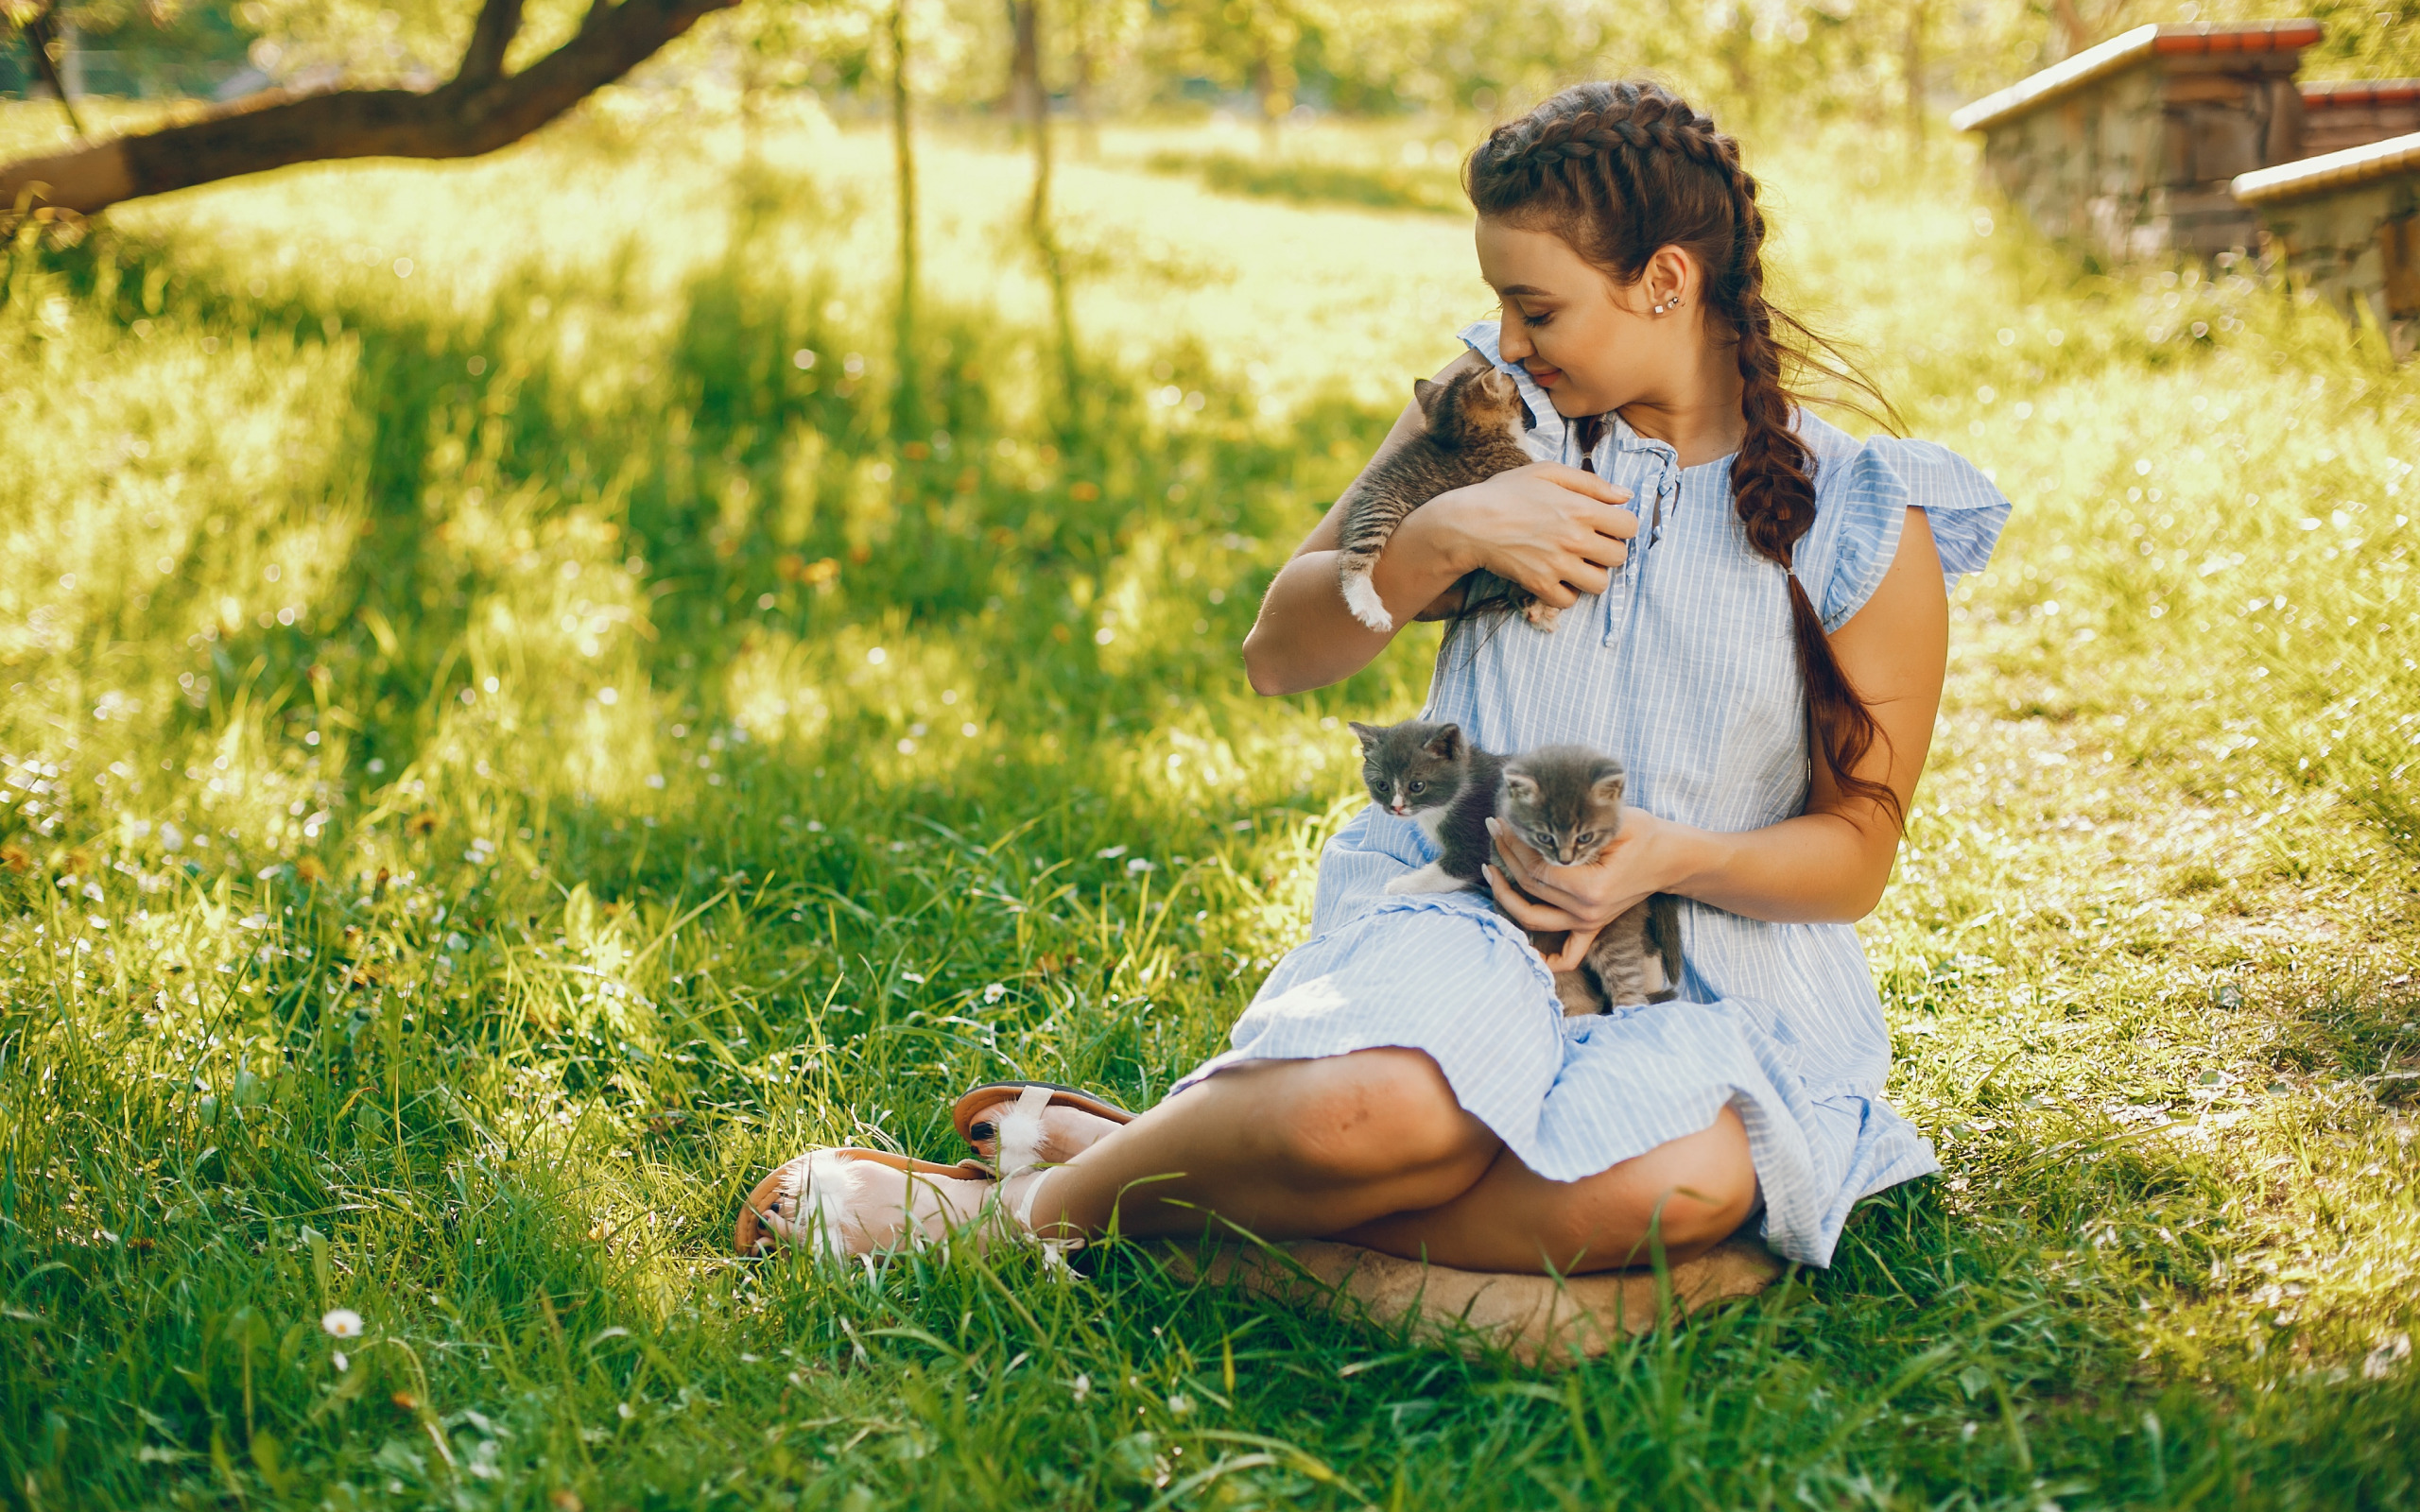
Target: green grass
x=360 y=952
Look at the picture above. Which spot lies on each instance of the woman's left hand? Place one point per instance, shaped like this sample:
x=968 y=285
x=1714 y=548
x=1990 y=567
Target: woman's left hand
x=1548 y=899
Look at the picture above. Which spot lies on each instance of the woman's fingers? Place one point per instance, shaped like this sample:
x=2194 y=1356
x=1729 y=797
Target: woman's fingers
x=1574 y=951
x=1527 y=912
x=1527 y=866
x=1512 y=852
x=1580 y=480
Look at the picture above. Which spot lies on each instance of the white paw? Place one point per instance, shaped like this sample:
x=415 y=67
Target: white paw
x=1364 y=602
x=1431 y=877
x=1542 y=615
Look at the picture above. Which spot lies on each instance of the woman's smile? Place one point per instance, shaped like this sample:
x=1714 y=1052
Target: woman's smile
x=1543 y=377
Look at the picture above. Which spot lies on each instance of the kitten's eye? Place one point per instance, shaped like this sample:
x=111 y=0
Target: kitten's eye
x=1589 y=838
x=1420 y=787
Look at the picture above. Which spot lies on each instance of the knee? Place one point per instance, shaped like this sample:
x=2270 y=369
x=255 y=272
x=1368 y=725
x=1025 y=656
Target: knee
x=1373 y=1114
x=1688 y=1197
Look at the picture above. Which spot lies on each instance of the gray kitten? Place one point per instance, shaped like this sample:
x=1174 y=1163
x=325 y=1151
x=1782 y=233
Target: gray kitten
x=1434 y=775
x=1565 y=801
x=1475 y=421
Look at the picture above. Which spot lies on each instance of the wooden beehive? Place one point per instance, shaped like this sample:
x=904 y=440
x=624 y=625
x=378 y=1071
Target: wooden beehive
x=2346 y=227
x=2357 y=112
x=2128 y=148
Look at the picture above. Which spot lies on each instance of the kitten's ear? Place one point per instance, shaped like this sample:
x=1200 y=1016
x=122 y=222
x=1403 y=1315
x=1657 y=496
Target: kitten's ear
x=1425 y=393
x=1521 y=786
x=1446 y=745
x=1611 y=783
x=1369 y=733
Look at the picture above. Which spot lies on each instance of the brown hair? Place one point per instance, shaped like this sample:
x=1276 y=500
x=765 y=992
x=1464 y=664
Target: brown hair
x=1622 y=170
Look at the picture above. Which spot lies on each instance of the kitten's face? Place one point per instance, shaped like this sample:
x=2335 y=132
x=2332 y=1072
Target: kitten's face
x=1475 y=405
x=1412 y=766
x=1565 y=805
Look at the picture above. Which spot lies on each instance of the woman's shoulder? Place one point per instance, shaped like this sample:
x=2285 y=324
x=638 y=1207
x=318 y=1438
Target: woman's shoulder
x=1863 y=491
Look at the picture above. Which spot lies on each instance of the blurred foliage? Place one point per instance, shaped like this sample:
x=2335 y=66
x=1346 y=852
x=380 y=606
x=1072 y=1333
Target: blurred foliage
x=1754 y=61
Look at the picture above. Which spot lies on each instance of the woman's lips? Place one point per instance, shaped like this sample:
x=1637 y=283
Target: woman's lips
x=1546 y=378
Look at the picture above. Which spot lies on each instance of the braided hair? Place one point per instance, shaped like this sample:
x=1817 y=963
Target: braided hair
x=1621 y=170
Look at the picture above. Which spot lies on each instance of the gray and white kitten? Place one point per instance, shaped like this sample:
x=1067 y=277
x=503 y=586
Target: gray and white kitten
x=1473 y=425
x=1434 y=775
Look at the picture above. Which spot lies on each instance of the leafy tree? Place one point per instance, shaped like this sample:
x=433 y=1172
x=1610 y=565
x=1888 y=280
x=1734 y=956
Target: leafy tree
x=509 y=78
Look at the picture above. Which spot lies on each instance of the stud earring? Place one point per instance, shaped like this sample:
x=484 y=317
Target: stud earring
x=1659 y=309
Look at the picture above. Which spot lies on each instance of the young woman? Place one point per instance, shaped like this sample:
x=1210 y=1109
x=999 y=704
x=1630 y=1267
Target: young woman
x=1755 y=622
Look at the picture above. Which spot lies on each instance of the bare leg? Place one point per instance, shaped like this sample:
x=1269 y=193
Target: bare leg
x=1285 y=1149
x=1514 y=1219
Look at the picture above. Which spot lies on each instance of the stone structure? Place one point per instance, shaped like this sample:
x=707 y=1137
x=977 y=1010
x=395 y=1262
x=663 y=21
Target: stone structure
x=2354 y=114
x=2128 y=148
x=2346 y=226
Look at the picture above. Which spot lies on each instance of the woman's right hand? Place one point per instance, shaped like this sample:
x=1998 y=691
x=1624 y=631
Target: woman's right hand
x=1555 y=530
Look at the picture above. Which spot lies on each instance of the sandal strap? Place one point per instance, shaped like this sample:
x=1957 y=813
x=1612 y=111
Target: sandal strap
x=1021 y=1155
x=1020 y=1147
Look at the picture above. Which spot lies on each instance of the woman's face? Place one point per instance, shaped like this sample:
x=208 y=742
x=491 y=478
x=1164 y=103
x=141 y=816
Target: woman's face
x=1592 y=344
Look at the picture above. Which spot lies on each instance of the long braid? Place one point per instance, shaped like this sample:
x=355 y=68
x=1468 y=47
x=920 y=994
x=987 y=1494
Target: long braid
x=1621 y=170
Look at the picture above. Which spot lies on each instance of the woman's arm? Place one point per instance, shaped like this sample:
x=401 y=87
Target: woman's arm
x=1555 y=530
x=1826 y=866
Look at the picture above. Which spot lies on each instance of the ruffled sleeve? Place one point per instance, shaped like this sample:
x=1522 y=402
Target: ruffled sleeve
x=1862 y=504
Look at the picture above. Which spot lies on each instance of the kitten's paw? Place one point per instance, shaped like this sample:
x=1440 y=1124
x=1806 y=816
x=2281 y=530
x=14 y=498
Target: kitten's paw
x=1540 y=614
x=1363 y=600
x=1431 y=877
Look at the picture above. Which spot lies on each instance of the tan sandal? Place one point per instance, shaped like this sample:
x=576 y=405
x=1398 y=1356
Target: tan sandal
x=985 y=1138
x=804 y=1201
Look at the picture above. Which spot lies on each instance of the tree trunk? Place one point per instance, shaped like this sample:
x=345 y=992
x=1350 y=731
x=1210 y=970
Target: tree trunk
x=906 y=408
x=476 y=112
x=45 y=33
x=1264 y=95
x=1911 y=65
x=1027 y=101
x=1044 y=230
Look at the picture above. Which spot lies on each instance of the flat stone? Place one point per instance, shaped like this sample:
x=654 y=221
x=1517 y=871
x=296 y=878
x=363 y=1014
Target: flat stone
x=1538 y=1320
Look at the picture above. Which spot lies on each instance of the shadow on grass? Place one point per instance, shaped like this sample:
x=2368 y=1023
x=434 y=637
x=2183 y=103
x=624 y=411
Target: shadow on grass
x=1320 y=183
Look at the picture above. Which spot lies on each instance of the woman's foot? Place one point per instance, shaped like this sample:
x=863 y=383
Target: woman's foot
x=849 y=1203
x=1059 y=1135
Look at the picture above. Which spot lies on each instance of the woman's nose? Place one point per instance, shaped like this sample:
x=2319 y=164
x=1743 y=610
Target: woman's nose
x=1513 y=346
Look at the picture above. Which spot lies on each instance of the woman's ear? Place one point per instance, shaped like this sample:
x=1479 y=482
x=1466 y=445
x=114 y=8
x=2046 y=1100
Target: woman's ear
x=1672 y=280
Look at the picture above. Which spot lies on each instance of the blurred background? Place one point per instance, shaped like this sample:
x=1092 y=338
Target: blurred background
x=1760 y=63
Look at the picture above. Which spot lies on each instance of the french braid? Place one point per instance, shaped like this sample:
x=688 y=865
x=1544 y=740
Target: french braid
x=1620 y=171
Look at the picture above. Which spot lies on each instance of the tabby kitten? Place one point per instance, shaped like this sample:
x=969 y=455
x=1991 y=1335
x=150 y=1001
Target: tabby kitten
x=1473 y=425
x=1565 y=801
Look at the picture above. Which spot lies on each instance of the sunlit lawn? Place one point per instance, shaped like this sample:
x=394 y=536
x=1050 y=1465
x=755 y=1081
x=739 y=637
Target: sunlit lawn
x=507 y=740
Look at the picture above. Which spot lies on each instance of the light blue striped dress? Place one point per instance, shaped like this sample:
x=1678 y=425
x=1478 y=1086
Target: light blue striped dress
x=1685 y=668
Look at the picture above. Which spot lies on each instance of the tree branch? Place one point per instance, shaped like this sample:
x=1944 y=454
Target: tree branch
x=464 y=117
x=483 y=59
x=40 y=33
